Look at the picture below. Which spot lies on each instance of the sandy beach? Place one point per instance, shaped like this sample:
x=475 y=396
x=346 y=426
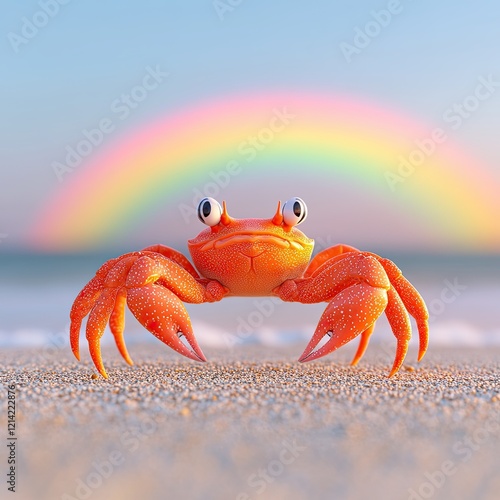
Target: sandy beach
x=252 y=423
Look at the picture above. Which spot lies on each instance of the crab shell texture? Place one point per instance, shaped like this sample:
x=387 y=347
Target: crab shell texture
x=251 y=257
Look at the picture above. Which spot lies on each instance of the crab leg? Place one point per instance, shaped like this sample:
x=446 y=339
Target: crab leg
x=412 y=301
x=175 y=256
x=417 y=308
x=84 y=302
x=401 y=327
x=96 y=324
x=325 y=255
x=363 y=344
x=117 y=324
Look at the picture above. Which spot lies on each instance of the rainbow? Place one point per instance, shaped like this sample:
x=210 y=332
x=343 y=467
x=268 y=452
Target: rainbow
x=333 y=136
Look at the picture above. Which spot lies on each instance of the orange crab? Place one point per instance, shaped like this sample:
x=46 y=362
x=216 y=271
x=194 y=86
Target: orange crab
x=249 y=257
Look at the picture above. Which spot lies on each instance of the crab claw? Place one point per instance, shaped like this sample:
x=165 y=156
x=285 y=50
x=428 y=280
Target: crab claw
x=163 y=314
x=351 y=312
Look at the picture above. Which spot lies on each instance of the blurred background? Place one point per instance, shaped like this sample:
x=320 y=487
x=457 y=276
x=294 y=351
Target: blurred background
x=118 y=118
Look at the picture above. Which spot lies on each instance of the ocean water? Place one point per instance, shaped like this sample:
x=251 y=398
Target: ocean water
x=462 y=293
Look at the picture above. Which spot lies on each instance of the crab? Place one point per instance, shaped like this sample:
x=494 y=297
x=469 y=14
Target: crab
x=249 y=257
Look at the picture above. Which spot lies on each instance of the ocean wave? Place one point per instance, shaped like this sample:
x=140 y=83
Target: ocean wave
x=445 y=333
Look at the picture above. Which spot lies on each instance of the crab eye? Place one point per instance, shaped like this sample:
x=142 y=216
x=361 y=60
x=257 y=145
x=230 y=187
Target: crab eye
x=209 y=211
x=294 y=211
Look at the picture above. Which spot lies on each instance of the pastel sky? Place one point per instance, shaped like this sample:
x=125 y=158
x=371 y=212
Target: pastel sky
x=62 y=77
